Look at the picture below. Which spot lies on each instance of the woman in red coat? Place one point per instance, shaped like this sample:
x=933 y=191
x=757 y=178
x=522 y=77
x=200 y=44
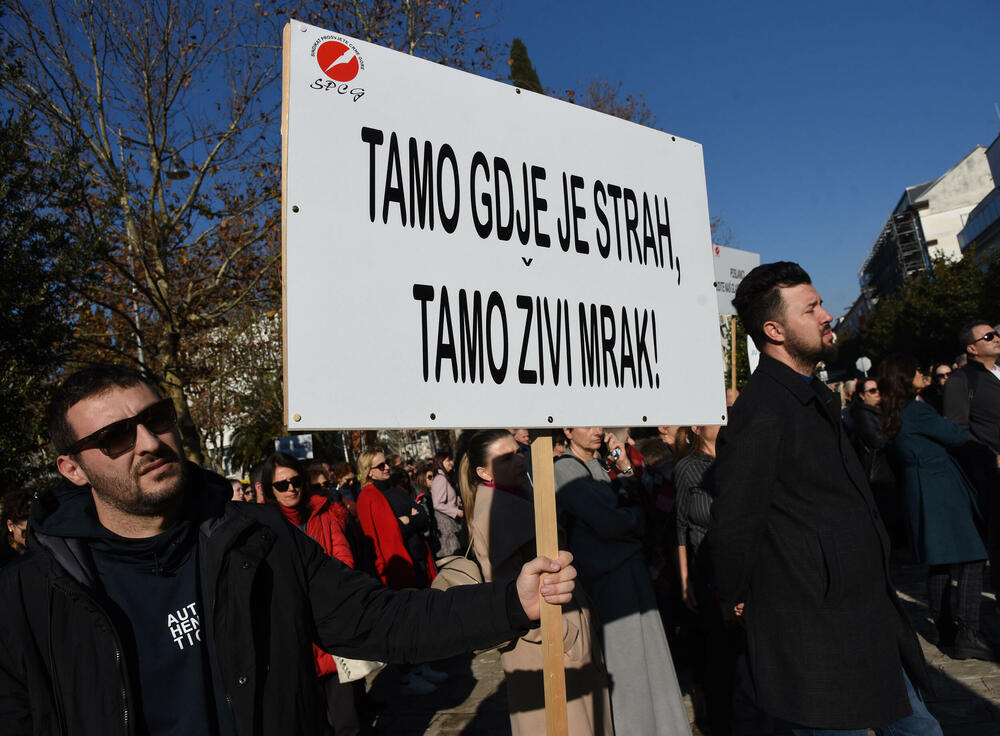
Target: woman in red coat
x=285 y=485
x=394 y=526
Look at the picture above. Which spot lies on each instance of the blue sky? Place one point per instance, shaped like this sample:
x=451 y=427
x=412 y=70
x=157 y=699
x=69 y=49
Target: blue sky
x=814 y=117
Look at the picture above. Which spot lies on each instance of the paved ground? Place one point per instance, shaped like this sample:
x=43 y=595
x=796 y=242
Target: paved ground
x=474 y=701
x=967 y=697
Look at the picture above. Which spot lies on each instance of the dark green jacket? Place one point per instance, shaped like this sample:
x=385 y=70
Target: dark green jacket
x=941 y=507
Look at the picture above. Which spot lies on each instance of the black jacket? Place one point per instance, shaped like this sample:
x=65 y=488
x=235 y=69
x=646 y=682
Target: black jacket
x=796 y=536
x=869 y=443
x=867 y=424
x=972 y=401
x=268 y=593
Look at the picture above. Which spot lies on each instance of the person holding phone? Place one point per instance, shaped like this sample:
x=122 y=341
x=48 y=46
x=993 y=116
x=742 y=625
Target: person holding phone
x=605 y=533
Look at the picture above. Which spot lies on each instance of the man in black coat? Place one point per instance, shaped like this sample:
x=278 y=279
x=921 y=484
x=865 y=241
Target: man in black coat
x=972 y=393
x=972 y=401
x=149 y=603
x=798 y=549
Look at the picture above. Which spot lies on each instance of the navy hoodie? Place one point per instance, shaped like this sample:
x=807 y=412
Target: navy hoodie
x=150 y=588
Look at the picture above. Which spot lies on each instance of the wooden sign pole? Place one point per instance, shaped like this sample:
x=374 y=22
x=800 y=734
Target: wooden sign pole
x=732 y=351
x=547 y=539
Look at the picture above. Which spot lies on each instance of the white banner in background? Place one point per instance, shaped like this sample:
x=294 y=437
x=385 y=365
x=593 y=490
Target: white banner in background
x=731 y=265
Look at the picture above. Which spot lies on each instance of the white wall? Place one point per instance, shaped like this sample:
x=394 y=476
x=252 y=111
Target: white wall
x=950 y=201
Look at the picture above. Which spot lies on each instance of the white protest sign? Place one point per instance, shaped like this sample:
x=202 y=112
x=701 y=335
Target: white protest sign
x=460 y=253
x=731 y=265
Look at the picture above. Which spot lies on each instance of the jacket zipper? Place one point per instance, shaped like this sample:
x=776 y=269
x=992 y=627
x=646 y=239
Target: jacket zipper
x=124 y=694
x=209 y=614
x=119 y=664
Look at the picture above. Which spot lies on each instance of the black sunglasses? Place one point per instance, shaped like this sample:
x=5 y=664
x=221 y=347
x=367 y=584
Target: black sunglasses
x=988 y=337
x=282 y=485
x=118 y=437
x=381 y=466
x=872 y=390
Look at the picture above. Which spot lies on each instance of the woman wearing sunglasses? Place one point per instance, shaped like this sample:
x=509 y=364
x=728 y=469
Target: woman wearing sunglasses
x=492 y=476
x=394 y=526
x=934 y=394
x=868 y=439
x=286 y=485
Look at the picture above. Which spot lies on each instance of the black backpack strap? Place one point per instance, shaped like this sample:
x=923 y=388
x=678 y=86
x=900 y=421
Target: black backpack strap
x=972 y=379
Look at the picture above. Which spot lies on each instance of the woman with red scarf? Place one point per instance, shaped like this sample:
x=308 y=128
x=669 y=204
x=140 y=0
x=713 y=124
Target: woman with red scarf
x=286 y=485
x=394 y=524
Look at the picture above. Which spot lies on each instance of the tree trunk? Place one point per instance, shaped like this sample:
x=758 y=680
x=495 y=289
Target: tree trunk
x=173 y=386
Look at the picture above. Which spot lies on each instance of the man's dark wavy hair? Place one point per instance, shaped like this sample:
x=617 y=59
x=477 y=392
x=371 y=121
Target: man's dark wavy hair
x=86 y=382
x=758 y=297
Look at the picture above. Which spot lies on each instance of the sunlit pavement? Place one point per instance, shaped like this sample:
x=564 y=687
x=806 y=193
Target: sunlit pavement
x=474 y=701
x=967 y=692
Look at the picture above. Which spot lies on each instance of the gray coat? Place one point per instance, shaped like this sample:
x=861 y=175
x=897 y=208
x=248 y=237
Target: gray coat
x=605 y=539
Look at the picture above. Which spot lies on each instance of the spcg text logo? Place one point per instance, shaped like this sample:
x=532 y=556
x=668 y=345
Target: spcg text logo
x=340 y=63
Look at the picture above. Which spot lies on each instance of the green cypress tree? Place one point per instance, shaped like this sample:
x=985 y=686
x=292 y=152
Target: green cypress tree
x=522 y=73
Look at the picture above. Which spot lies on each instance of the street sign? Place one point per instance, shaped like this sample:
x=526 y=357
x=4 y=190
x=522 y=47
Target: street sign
x=462 y=253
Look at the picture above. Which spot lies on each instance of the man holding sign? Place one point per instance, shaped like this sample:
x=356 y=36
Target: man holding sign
x=796 y=540
x=101 y=625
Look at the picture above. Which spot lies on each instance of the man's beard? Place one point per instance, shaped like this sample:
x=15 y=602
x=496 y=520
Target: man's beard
x=808 y=354
x=126 y=494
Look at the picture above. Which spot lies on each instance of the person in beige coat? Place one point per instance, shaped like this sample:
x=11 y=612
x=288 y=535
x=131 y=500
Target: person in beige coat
x=493 y=478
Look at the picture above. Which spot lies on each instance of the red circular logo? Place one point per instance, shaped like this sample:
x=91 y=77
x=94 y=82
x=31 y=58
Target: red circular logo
x=337 y=61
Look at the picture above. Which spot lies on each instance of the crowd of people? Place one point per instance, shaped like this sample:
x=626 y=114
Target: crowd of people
x=754 y=558
x=929 y=439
